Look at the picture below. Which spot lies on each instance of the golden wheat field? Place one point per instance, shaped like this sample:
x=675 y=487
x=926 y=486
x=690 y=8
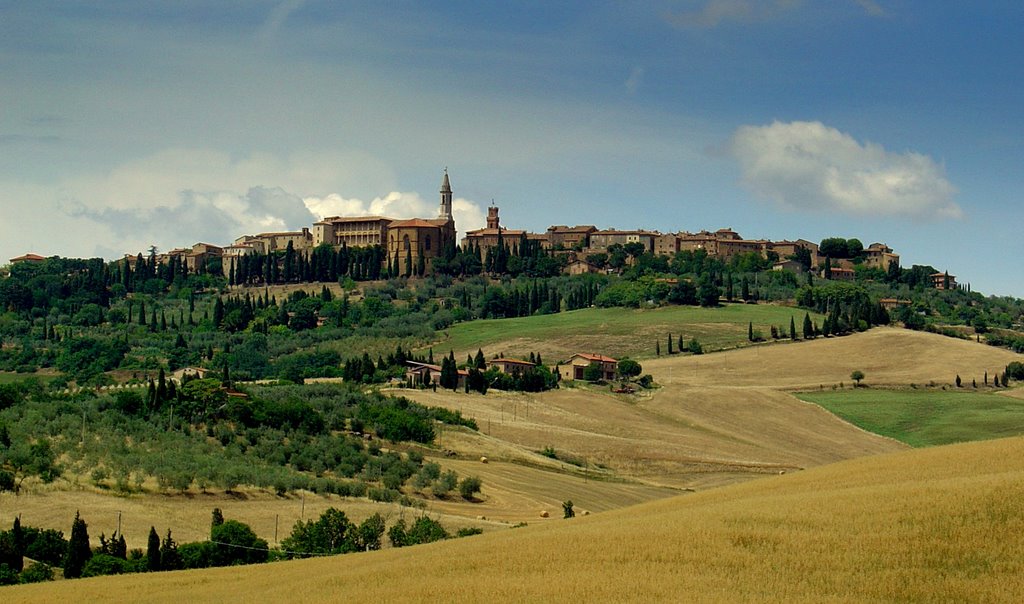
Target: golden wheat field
x=939 y=524
x=879 y=523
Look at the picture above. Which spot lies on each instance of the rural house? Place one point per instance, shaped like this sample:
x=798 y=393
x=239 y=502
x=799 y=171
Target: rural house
x=573 y=369
x=510 y=366
x=417 y=373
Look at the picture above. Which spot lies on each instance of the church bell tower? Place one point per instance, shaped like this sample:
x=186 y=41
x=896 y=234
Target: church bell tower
x=446 y=198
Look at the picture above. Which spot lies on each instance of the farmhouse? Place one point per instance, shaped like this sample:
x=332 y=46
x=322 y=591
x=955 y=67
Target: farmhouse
x=892 y=303
x=510 y=366
x=573 y=369
x=417 y=372
x=943 y=281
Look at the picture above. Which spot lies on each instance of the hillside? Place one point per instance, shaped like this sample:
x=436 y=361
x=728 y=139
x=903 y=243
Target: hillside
x=944 y=523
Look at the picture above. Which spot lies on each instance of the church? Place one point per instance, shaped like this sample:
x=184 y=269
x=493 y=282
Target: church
x=406 y=242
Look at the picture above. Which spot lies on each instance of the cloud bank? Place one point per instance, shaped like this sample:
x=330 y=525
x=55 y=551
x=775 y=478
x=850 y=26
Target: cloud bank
x=809 y=166
x=468 y=215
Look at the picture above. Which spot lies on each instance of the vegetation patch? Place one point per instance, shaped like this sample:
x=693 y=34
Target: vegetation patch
x=926 y=417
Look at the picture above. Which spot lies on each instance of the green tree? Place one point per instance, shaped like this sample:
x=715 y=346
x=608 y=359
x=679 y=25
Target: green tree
x=707 y=292
x=78 y=552
x=469 y=487
x=629 y=368
x=808 y=327
x=792 y=328
x=592 y=372
x=237 y=544
x=567 y=509
x=170 y=559
x=153 y=551
x=857 y=375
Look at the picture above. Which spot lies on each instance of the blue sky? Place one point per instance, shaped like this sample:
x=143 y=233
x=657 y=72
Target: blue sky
x=129 y=124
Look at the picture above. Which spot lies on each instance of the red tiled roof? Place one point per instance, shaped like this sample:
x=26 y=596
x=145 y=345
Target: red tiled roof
x=412 y=223
x=28 y=258
x=511 y=362
x=595 y=357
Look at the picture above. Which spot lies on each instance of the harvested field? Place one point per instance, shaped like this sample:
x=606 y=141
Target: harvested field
x=937 y=524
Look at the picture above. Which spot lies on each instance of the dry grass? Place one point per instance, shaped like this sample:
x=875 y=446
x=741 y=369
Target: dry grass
x=886 y=355
x=939 y=524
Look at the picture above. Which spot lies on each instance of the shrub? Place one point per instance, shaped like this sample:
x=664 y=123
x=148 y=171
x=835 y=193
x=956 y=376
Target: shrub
x=469 y=487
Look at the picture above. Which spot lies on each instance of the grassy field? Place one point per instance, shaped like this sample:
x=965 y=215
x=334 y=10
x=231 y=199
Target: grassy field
x=922 y=418
x=616 y=332
x=7 y=377
x=938 y=524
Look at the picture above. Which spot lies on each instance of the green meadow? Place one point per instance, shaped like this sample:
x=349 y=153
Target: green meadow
x=926 y=417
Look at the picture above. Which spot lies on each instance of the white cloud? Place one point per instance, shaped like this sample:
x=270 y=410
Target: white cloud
x=810 y=166
x=717 y=12
x=468 y=215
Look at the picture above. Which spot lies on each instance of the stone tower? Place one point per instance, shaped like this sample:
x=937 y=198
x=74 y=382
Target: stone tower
x=446 y=198
x=492 y=217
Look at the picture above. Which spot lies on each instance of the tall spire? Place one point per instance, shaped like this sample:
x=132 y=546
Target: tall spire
x=446 y=197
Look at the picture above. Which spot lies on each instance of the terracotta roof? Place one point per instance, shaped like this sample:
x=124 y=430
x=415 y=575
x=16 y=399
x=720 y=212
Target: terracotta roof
x=512 y=362
x=28 y=258
x=283 y=234
x=418 y=365
x=559 y=228
x=332 y=219
x=493 y=231
x=418 y=223
x=595 y=357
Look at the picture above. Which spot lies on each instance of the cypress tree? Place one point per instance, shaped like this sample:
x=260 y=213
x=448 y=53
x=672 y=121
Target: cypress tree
x=670 y=343
x=161 y=387
x=169 y=557
x=216 y=519
x=657 y=348
x=792 y=329
x=78 y=552
x=808 y=327
x=750 y=331
x=153 y=551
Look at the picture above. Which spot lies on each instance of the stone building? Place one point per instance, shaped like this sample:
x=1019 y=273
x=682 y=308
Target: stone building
x=566 y=237
x=352 y=231
x=409 y=240
x=879 y=255
x=600 y=241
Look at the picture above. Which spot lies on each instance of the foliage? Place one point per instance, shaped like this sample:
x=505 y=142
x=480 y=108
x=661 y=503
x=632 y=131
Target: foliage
x=629 y=368
x=236 y=543
x=469 y=487
x=423 y=530
x=78 y=552
x=333 y=533
x=926 y=417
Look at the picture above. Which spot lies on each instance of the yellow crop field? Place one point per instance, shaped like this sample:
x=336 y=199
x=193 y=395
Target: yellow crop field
x=938 y=524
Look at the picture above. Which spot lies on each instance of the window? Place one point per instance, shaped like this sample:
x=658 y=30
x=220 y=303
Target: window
x=426 y=245
x=405 y=243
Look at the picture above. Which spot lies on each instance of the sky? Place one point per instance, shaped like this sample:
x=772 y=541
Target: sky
x=137 y=123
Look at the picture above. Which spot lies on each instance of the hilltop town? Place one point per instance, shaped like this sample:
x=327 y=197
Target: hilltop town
x=414 y=246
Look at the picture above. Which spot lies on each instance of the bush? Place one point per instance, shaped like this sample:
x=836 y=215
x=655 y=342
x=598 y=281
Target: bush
x=469 y=487
x=37 y=573
x=105 y=564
